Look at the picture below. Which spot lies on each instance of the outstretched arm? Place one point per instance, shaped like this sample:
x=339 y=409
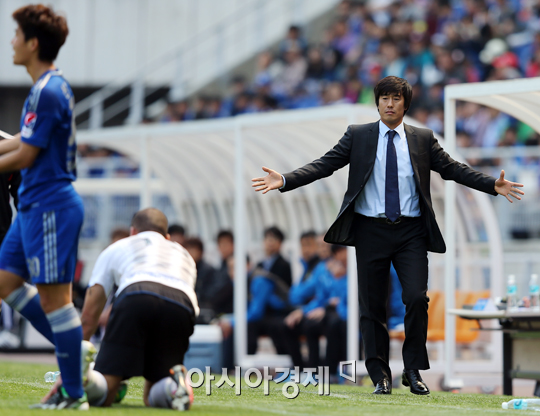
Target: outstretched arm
x=506 y=188
x=334 y=159
x=273 y=180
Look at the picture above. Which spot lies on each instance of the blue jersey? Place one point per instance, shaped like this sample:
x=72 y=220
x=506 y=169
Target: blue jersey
x=47 y=122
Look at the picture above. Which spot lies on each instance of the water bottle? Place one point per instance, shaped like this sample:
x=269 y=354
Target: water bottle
x=51 y=376
x=511 y=294
x=523 y=404
x=534 y=293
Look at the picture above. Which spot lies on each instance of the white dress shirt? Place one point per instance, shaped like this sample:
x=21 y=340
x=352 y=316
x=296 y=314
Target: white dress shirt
x=371 y=201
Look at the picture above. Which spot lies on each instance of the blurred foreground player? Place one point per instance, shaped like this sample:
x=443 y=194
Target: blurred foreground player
x=41 y=245
x=152 y=318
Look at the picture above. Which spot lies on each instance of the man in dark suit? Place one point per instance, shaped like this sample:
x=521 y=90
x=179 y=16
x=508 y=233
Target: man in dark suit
x=274 y=262
x=387 y=215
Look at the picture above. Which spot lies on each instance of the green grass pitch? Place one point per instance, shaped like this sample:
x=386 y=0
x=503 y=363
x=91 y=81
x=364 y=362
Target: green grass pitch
x=22 y=385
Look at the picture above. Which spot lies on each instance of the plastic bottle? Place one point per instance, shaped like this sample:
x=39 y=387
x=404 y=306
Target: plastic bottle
x=534 y=293
x=51 y=376
x=523 y=404
x=511 y=294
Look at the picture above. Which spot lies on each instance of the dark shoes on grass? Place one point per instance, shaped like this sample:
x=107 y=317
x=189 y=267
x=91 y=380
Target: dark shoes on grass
x=412 y=379
x=384 y=386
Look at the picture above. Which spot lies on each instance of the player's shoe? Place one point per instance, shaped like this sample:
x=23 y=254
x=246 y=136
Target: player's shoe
x=122 y=391
x=183 y=396
x=61 y=400
x=88 y=354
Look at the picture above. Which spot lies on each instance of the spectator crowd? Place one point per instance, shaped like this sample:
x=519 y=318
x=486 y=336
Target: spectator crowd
x=429 y=43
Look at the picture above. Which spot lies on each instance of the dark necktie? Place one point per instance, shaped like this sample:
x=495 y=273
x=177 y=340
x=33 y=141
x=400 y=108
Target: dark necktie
x=392 y=209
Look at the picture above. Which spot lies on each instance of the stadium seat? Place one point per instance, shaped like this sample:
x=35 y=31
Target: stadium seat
x=465 y=328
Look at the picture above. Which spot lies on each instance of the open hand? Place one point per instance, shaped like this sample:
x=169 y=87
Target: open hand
x=271 y=181
x=506 y=188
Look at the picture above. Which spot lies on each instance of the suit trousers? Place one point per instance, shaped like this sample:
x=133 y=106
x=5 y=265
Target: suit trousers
x=377 y=245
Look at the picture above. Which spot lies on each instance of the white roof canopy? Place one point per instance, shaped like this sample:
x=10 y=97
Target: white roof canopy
x=519 y=98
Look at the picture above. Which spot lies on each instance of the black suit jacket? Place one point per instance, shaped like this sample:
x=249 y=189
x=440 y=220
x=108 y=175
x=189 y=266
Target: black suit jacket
x=358 y=148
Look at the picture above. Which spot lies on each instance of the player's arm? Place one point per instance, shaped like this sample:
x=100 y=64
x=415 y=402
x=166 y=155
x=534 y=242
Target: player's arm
x=20 y=158
x=10 y=145
x=94 y=302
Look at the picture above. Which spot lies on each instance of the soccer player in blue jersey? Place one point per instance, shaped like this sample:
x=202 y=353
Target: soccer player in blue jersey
x=41 y=245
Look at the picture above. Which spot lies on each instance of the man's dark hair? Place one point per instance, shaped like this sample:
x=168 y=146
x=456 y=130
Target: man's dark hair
x=308 y=234
x=176 y=229
x=119 y=233
x=392 y=85
x=274 y=232
x=41 y=22
x=294 y=28
x=150 y=219
x=337 y=247
x=195 y=242
x=225 y=234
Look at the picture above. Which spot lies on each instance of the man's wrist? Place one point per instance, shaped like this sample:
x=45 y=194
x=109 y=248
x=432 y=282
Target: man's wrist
x=284 y=182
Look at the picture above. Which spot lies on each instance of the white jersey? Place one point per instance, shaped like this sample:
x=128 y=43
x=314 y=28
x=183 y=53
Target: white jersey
x=146 y=257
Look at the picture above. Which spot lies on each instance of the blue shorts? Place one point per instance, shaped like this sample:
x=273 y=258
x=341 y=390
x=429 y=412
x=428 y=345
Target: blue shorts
x=43 y=245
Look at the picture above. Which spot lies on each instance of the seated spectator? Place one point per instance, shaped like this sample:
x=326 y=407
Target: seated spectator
x=303 y=291
x=177 y=233
x=237 y=86
x=343 y=40
x=308 y=319
x=274 y=263
x=267 y=305
x=205 y=287
x=291 y=75
x=118 y=234
x=223 y=299
x=225 y=244
x=293 y=38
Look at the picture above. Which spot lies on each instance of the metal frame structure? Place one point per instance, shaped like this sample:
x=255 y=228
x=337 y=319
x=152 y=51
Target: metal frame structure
x=519 y=98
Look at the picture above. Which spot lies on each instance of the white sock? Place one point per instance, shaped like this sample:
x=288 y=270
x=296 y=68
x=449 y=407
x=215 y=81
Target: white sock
x=161 y=393
x=96 y=388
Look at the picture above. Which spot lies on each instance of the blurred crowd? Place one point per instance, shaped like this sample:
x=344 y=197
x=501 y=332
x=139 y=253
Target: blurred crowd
x=430 y=43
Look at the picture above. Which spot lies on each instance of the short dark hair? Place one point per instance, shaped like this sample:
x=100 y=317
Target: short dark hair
x=391 y=84
x=150 y=219
x=195 y=242
x=308 y=234
x=119 y=233
x=274 y=232
x=334 y=248
x=176 y=229
x=41 y=22
x=225 y=234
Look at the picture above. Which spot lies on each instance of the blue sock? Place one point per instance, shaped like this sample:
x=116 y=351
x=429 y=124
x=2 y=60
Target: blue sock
x=25 y=300
x=67 y=330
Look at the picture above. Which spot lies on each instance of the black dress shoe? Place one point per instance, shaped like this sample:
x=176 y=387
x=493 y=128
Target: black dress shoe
x=412 y=379
x=384 y=386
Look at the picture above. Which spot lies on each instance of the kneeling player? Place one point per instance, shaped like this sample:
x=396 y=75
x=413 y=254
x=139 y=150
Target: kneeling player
x=151 y=320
